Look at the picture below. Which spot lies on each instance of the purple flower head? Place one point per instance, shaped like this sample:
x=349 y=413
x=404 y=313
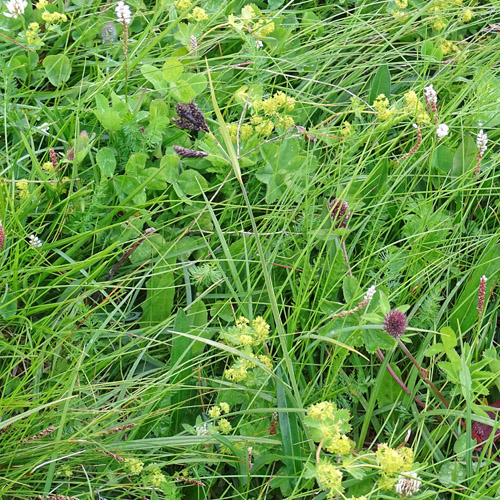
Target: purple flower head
x=395 y=323
x=339 y=211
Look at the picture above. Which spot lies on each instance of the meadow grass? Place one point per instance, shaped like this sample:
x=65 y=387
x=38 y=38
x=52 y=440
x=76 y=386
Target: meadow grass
x=166 y=288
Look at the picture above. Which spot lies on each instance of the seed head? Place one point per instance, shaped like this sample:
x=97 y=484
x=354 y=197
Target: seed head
x=189 y=153
x=339 y=211
x=123 y=14
x=190 y=117
x=395 y=323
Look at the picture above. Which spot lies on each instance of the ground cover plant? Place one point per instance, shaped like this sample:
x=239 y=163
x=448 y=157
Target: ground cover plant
x=249 y=250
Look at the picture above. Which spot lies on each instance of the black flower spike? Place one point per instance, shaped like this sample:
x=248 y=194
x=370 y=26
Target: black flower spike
x=190 y=117
x=339 y=211
x=189 y=153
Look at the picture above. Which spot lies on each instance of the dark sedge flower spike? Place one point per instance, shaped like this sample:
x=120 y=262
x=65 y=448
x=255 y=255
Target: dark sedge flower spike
x=395 y=323
x=339 y=211
x=190 y=117
x=189 y=153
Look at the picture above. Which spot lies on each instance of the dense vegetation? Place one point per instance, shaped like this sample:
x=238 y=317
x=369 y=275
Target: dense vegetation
x=249 y=250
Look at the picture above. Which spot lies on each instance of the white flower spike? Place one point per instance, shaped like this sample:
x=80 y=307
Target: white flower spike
x=123 y=14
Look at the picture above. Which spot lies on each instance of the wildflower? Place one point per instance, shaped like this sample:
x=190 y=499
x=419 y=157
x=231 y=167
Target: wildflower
x=190 y=117
x=204 y=429
x=224 y=426
x=366 y=300
x=394 y=461
x=214 y=412
x=329 y=477
x=482 y=141
x=448 y=47
x=285 y=122
x=246 y=131
x=35 y=241
x=481 y=294
x=236 y=374
x=381 y=106
x=439 y=24
x=224 y=407
x=189 y=153
x=347 y=129
x=430 y=94
x=266 y=29
x=32 y=34
x=395 y=323
x=2 y=235
x=259 y=44
x=322 y=411
x=123 y=14
x=467 y=15
x=182 y=4
x=22 y=185
x=53 y=157
x=339 y=212
x=265 y=360
x=249 y=11
x=401 y=4
x=250 y=456
x=408 y=485
x=157 y=478
x=261 y=328
x=199 y=14
x=265 y=128
x=15 y=8
x=246 y=340
x=54 y=17
x=442 y=130
x=270 y=106
x=41 y=4
x=48 y=167
x=134 y=466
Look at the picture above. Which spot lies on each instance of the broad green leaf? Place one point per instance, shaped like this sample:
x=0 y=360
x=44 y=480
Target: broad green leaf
x=182 y=91
x=110 y=120
x=124 y=186
x=437 y=348
x=57 y=69
x=197 y=82
x=192 y=182
x=448 y=338
x=160 y=296
x=442 y=159
x=430 y=52
x=172 y=69
x=154 y=75
x=377 y=339
x=135 y=164
x=106 y=161
x=451 y=474
x=385 y=307
x=464 y=157
x=8 y=306
x=381 y=83
x=350 y=288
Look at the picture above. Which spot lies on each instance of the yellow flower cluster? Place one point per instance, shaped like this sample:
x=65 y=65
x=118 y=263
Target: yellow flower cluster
x=48 y=167
x=32 y=34
x=182 y=4
x=156 y=479
x=134 y=466
x=224 y=426
x=329 y=477
x=246 y=131
x=439 y=24
x=22 y=185
x=467 y=15
x=236 y=374
x=401 y=4
x=394 y=461
x=347 y=129
x=273 y=104
x=54 y=17
x=218 y=410
x=416 y=108
x=322 y=411
x=41 y=4
x=198 y=15
x=252 y=21
x=448 y=47
x=381 y=106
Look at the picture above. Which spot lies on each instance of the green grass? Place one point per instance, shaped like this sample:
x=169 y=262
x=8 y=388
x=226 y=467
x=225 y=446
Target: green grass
x=116 y=343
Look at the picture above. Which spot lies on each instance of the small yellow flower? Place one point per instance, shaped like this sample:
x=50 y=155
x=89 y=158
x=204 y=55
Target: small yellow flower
x=48 y=167
x=467 y=15
x=266 y=29
x=328 y=476
x=182 y=4
x=157 y=478
x=246 y=340
x=224 y=426
x=285 y=122
x=347 y=129
x=270 y=106
x=439 y=24
x=265 y=128
x=249 y=11
x=265 y=360
x=236 y=374
x=261 y=328
x=214 y=412
x=54 y=17
x=448 y=47
x=41 y=4
x=256 y=120
x=394 y=461
x=401 y=4
x=199 y=14
x=322 y=411
x=246 y=131
x=33 y=26
x=134 y=466
x=224 y=407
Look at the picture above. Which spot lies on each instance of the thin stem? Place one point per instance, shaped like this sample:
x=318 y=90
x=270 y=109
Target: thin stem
x=318 y=451
x=346 y=258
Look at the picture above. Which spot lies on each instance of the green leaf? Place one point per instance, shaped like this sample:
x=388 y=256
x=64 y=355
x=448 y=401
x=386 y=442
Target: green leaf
x=57 y=69
x=452 y=473
x=431 y=53
x=437 y=348
x=448 y=338
x=192 y=182
x=154 y=75
x=182 y=91
x=377 y=339
x=442 y=159
x=124 y=186
x=160 y=296
x=350 y=288
x=172 y=69
x=106 y=161
x=197 y=82
x=464 y=157
x=381 y=83
x=8 y=306
x=385 y=307
x=110 y=120
x=135 y=164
